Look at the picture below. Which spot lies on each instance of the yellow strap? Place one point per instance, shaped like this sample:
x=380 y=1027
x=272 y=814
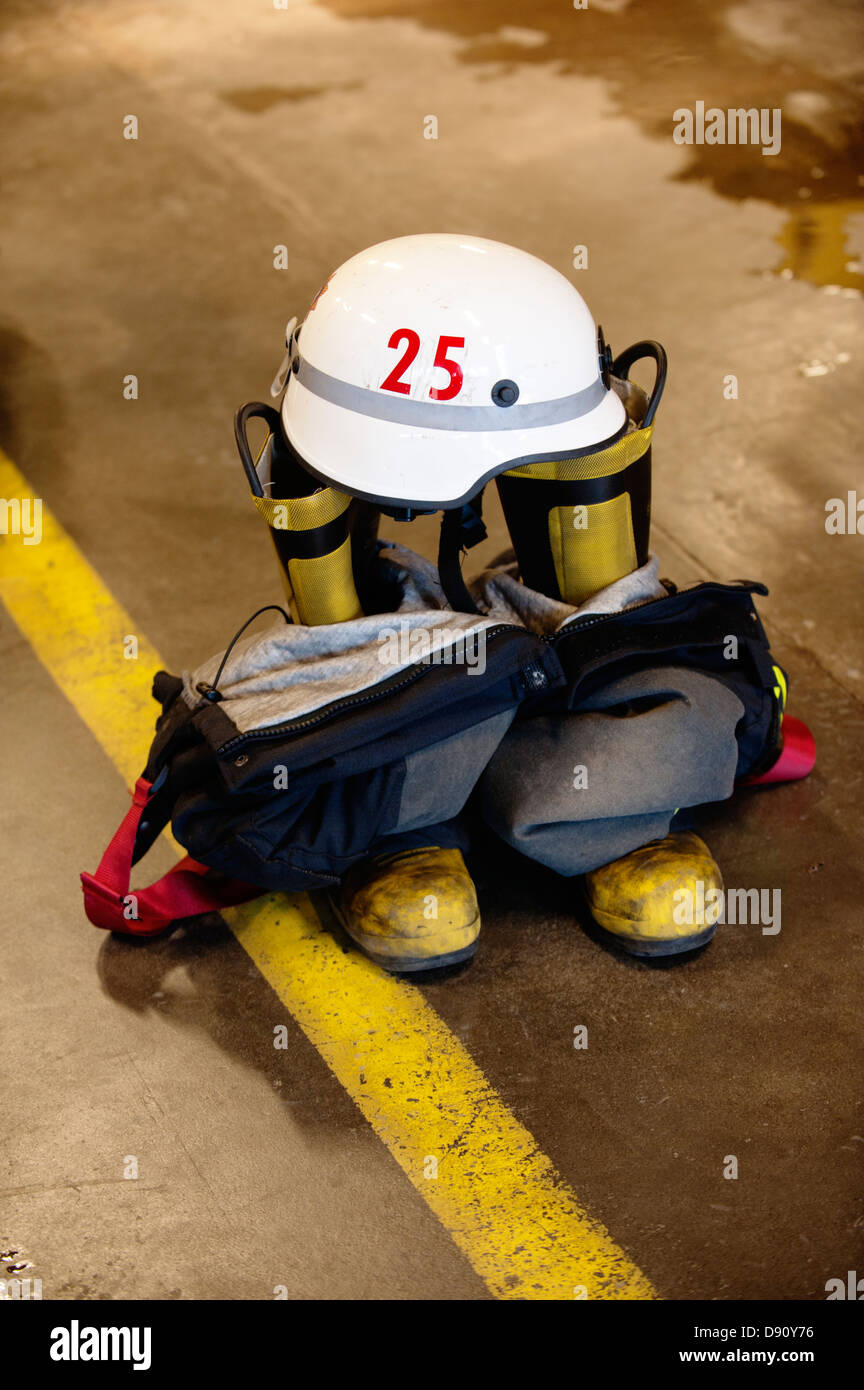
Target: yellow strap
x=303 y=513
x=612 y=460
x=323 y=587
x=592 y=546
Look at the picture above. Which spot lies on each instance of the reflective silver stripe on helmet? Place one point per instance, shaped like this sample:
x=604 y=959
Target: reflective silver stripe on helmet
x=437 y=415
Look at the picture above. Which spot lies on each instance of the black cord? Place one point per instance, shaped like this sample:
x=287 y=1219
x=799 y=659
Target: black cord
x=461 y=528
x=211 y=692
x=255 y=410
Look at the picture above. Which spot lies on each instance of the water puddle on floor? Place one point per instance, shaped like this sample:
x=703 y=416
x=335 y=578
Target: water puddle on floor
x=661 y=55
x=256 y=100
x=814 y=245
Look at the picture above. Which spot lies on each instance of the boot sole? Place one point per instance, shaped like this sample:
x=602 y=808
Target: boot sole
x=409 y=965
x=650 y=950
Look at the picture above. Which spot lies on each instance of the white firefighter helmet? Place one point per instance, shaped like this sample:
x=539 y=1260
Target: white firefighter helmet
x=428 y=364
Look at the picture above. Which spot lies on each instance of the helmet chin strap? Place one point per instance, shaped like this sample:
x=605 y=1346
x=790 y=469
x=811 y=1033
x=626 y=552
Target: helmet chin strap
x=461 y=528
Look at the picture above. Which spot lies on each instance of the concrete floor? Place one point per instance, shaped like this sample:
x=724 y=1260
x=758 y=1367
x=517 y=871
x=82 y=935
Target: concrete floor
x=304 y=126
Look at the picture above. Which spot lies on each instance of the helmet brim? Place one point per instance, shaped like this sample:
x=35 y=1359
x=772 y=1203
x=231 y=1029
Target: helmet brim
x=423 y=468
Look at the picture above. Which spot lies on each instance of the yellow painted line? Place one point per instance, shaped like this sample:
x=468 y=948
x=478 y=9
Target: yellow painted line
x=77 y=630
x=519 y=1224
x=498 y=1195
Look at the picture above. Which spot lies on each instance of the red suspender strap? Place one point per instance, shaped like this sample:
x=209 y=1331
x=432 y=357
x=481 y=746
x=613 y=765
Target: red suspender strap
x=183 y=892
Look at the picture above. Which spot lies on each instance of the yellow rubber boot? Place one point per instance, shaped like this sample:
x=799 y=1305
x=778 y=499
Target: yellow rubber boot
x=413 y=910
x=659 y=900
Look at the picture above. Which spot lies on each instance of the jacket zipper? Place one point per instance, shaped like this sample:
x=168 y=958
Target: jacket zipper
x=581 y=623
x=350 y=702
x=354 y=701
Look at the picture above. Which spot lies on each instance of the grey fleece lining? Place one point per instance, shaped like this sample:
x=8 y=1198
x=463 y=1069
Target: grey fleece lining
x=287 y=672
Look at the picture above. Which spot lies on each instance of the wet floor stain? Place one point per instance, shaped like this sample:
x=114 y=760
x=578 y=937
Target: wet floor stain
x=814 y=242
x=255 y=100
x=658 y=56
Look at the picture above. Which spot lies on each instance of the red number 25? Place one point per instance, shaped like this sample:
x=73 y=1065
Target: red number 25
x=394 y=381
